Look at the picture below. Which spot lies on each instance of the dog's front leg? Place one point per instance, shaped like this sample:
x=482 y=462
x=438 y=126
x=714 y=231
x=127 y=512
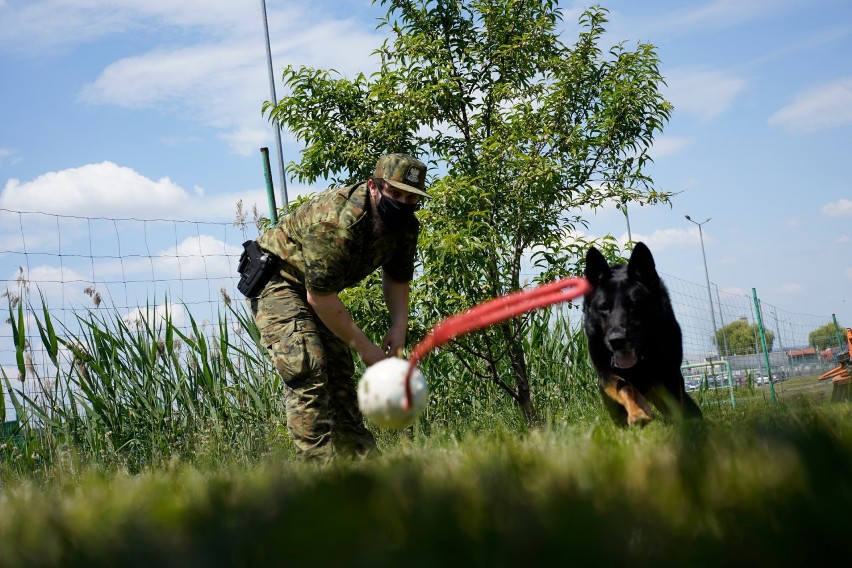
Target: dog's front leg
x=638 y=410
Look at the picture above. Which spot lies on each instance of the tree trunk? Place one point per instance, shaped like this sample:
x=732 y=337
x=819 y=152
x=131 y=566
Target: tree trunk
x=515 y=350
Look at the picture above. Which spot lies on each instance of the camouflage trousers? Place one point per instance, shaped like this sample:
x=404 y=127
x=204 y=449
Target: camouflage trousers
x=323 y=417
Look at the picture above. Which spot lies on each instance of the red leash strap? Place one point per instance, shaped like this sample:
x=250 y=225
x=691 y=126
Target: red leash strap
x=493 y=311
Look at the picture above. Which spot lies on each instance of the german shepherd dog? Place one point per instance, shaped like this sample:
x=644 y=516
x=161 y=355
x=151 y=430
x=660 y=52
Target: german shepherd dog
x=634 y=340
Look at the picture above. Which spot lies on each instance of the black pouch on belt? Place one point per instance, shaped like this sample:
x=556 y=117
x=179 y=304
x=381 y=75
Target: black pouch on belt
x=256 y=268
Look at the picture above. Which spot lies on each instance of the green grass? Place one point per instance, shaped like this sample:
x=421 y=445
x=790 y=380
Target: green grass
x=767 y=489
x=178 y=457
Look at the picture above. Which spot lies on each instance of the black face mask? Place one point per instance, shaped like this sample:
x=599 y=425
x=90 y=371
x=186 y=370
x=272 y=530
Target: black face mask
x=395 y=214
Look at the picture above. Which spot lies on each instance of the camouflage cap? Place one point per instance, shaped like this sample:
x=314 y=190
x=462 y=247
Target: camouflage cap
x=403 y=171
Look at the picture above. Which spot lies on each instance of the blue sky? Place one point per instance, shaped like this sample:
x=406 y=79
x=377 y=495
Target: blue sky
x=119 y=108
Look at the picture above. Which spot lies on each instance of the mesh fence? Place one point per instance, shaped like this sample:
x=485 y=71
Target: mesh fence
x=141 y=267
x=725 y=325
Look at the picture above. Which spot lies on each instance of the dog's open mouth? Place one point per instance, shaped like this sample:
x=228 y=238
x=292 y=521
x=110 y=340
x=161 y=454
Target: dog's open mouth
x=624 y=359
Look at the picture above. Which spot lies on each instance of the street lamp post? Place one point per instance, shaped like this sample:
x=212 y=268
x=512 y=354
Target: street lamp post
x=706 y=275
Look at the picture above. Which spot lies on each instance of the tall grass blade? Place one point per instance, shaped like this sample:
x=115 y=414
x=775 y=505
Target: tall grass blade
x=20 y=411
x=19 y=337
x=48 y=334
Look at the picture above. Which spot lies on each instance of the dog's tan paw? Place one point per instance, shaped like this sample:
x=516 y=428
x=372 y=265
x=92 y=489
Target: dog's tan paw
x=639 y=418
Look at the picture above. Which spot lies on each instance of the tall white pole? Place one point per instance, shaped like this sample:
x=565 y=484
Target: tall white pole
x=274 y=100
x=707 y=275
x=627 y=218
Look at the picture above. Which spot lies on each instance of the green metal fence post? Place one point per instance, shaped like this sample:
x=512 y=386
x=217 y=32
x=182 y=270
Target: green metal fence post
x=270 y=192
x=840 y=342
x=763 y=344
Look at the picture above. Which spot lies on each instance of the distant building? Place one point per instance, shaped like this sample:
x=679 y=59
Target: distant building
x=804 y=355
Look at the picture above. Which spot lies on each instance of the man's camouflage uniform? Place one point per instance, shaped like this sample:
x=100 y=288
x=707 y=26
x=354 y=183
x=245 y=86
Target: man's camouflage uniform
x=326 y=245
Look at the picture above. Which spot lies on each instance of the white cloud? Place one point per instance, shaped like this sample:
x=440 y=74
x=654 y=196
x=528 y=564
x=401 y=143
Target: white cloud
x=710 y=16
x=94 y=190
x=199 y=257
x=662 y=239
x=145 y=80
x=839 y=208
x=848 y=273
x=8 y=157
x=202 y=256
x=696 y=17
x=791 y=288
x=156 y=315
x=668 y=145
x=60 y=285
x=825 y=106
x=720 y=14
x=223 y=83
x=244 y=140
x=704 y=93
x=218 y=80
x=47 y=25
x=110 y=190
x=219 y=86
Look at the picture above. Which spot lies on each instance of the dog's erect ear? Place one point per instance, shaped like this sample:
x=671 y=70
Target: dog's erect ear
x=597 y=269
x=641 y=266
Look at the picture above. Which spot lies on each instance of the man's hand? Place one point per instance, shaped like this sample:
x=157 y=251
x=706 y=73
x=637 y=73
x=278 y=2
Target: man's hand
x=372 y=354
x=394 y=341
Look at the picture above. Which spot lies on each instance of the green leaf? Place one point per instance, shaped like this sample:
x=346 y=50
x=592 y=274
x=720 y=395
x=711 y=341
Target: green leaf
x=48 y=334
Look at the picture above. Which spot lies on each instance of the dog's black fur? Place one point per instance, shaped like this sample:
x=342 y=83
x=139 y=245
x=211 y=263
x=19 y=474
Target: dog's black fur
x=634 y=340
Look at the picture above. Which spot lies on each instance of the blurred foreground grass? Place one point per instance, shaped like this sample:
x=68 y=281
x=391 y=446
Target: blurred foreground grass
x=153 y=446
x=760 y=485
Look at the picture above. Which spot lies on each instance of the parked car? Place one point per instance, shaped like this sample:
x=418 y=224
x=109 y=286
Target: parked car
x=719 y=380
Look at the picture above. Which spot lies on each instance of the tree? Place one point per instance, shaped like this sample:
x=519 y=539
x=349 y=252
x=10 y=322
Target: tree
x=826 y=336
x=742 y=338
x=521 y=131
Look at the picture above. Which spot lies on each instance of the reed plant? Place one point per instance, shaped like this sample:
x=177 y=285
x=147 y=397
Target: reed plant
x=130 y=393
x=134 y=393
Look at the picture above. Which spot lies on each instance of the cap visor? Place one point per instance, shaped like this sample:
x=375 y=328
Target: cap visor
x=406 y=187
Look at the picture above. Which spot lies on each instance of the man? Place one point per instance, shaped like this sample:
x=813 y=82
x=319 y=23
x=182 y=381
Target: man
x=329 y=243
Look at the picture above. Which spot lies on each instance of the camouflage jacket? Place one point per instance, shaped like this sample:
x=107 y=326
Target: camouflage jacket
x=328 y=243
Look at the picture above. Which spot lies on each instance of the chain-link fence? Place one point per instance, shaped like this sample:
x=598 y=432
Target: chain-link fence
x=187 y=268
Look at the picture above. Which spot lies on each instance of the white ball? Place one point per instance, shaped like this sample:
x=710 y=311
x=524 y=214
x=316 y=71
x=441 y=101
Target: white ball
x=381 y=393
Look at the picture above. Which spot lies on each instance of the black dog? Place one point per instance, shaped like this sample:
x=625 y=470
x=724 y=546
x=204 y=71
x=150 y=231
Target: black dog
x=634 y=340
